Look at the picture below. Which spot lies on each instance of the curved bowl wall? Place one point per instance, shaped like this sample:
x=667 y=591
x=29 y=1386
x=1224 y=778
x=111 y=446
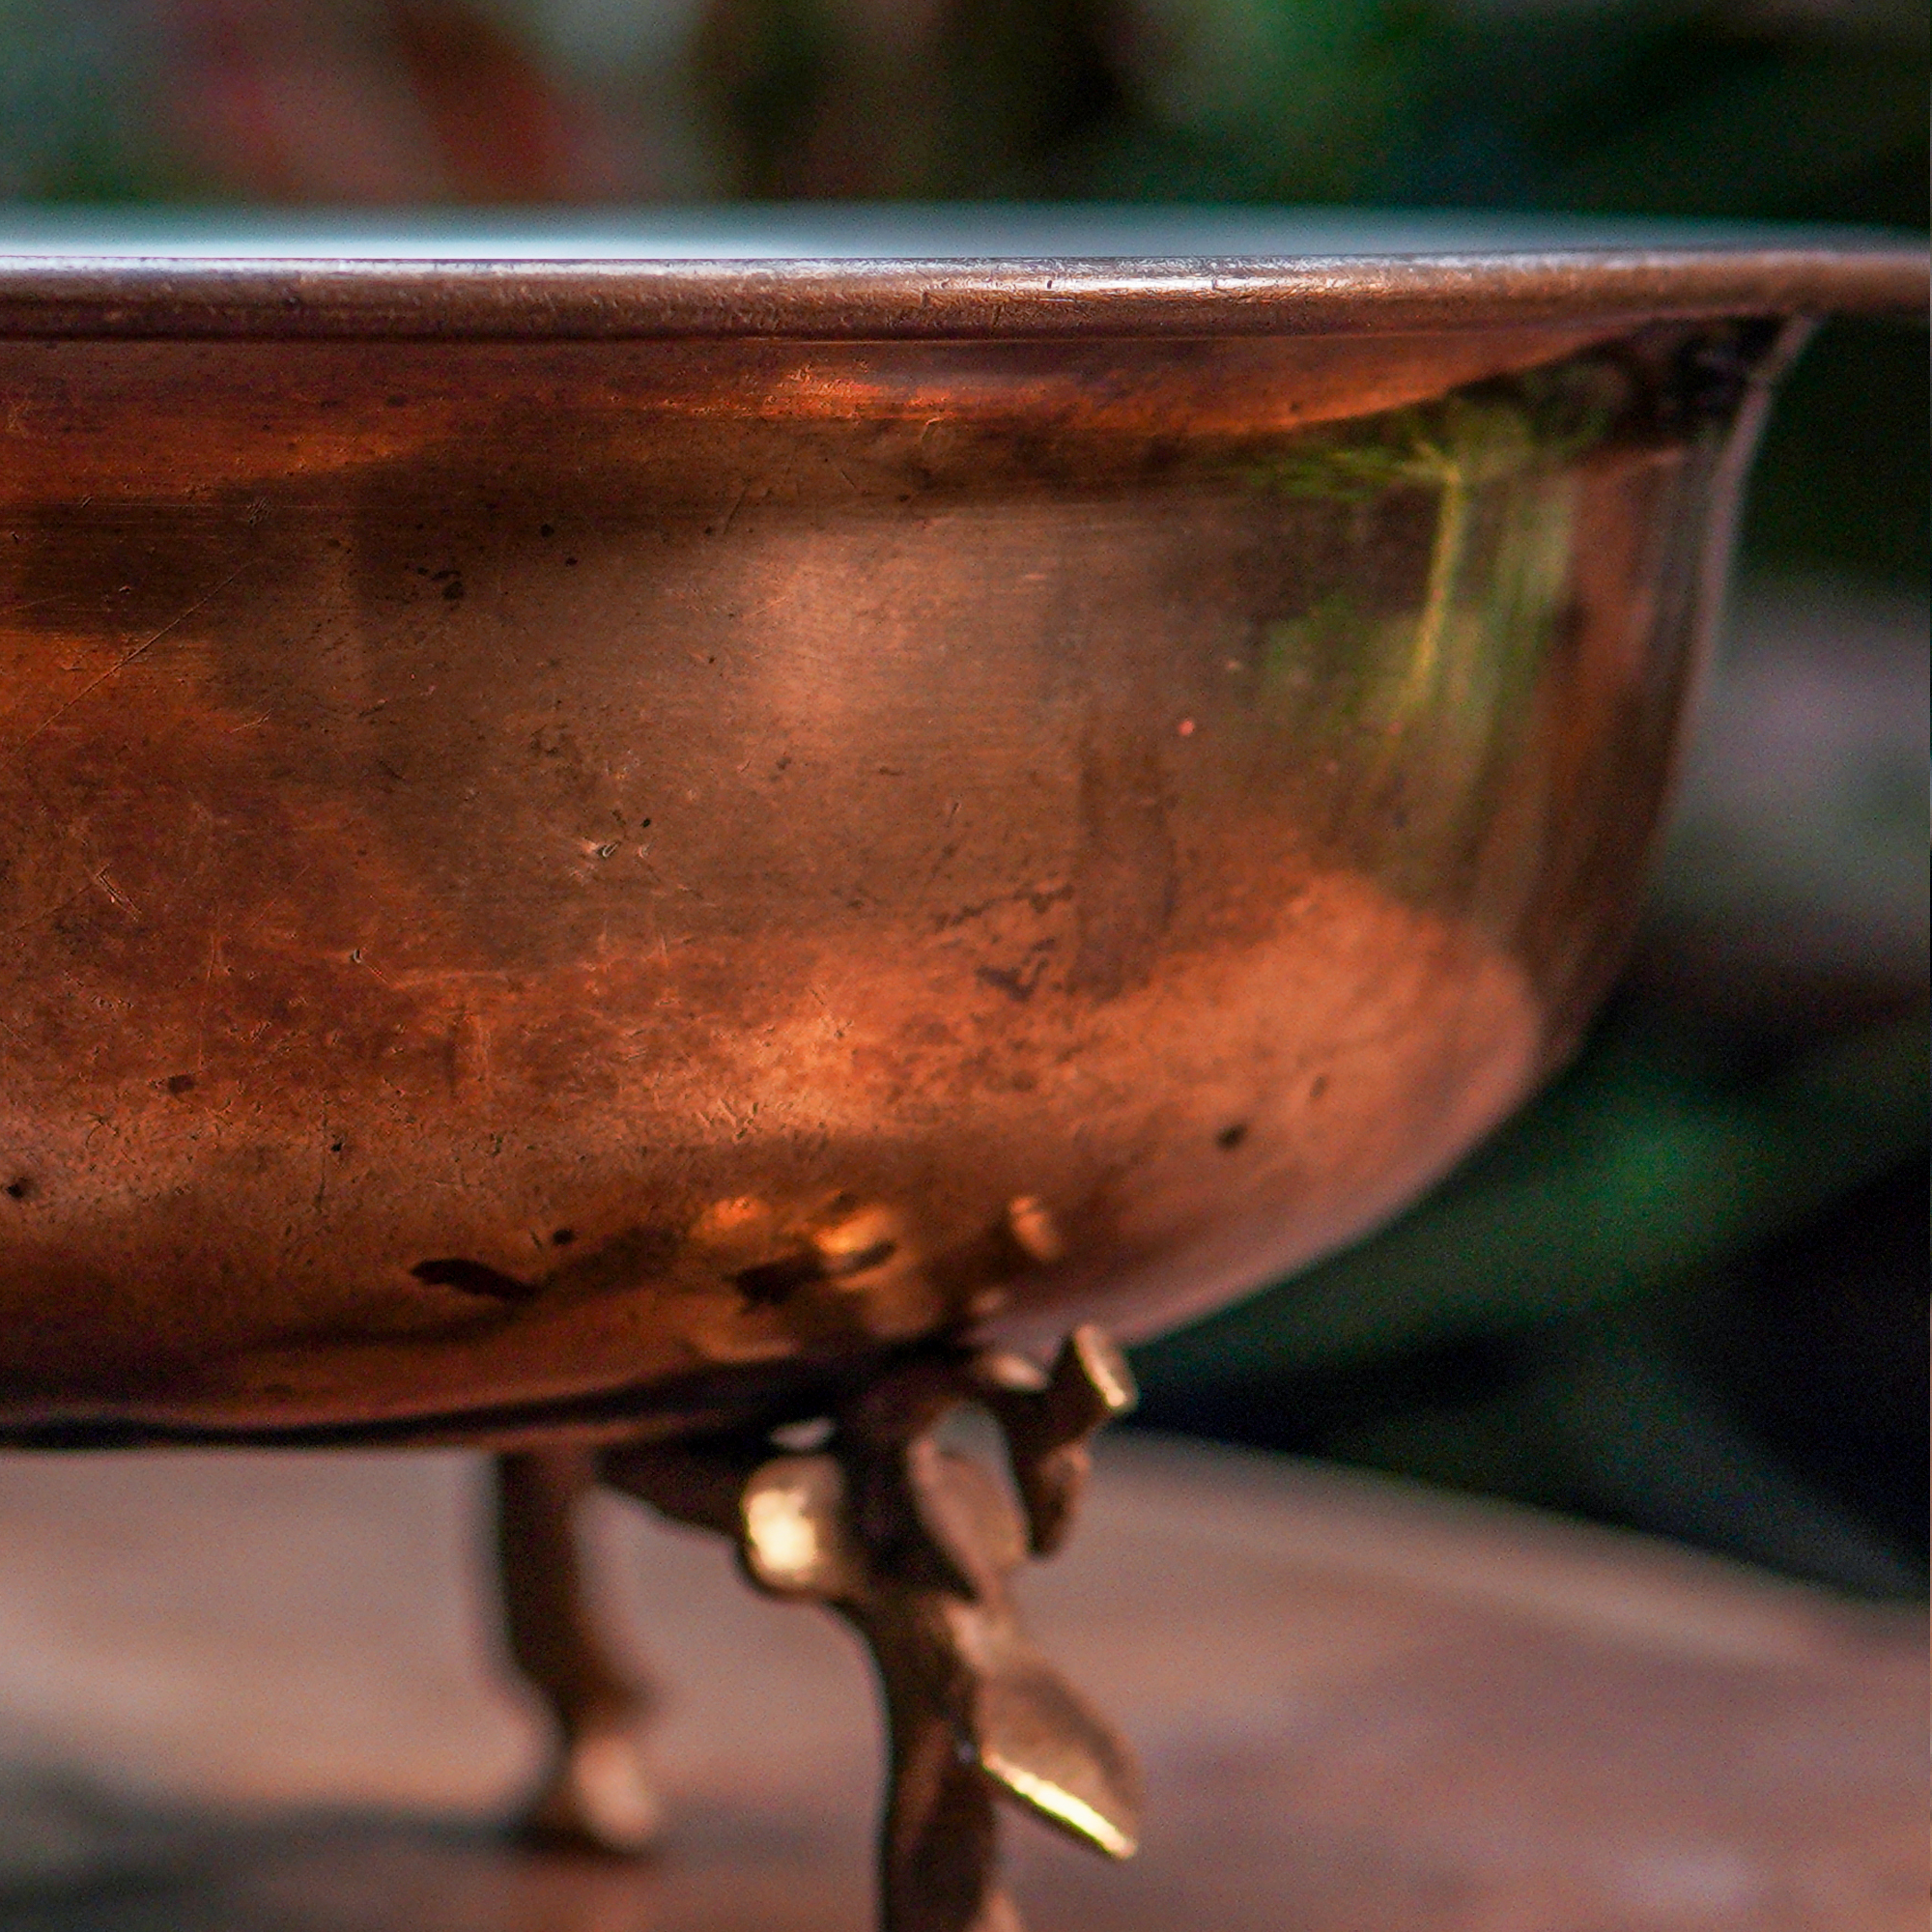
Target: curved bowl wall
x=575 y=879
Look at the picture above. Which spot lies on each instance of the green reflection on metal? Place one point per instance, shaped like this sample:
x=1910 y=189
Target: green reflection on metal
x=1499 y=461
x=1442 y=688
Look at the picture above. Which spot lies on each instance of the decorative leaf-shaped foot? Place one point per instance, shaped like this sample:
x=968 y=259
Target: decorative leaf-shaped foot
x=912 y=1543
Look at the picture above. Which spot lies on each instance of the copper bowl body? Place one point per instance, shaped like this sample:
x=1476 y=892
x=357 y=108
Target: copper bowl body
x=612 y=864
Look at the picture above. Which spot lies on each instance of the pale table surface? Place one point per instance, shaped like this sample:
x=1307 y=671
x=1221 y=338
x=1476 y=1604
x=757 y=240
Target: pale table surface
x=258 y=1694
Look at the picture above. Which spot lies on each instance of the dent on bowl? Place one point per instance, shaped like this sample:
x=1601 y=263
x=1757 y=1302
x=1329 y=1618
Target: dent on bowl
x=551 y=878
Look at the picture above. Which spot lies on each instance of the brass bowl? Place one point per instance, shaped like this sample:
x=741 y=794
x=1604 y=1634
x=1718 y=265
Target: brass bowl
x=618 y=840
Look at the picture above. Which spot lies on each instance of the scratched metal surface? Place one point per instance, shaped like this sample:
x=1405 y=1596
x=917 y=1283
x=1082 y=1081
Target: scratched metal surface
x=938 y=272
x=518 y=850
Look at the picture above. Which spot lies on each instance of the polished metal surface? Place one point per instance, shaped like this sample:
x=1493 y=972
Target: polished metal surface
x=934 y=299
x=829 y=271
x=624 y=881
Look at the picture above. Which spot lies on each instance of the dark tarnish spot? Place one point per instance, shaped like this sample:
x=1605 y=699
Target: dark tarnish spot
x=1230 y=1138
x=621 y=1265
x=772 y=1284
x=1125 y=877
x=876 y=1256
x=473 y=1278
x=21 y=1187
x=1017 y=982
x=179 y=1083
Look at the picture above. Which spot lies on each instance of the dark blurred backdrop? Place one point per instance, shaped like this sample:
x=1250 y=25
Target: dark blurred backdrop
x=1687 y=1290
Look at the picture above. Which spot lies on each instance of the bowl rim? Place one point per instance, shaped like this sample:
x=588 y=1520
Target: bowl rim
x=907 y=273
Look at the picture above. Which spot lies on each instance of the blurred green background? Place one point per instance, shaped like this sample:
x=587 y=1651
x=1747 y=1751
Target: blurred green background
x=1685 y=1291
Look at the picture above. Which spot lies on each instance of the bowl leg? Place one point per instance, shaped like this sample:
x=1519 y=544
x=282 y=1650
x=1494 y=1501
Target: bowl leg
x=594 y=1794
x=912 y=1542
